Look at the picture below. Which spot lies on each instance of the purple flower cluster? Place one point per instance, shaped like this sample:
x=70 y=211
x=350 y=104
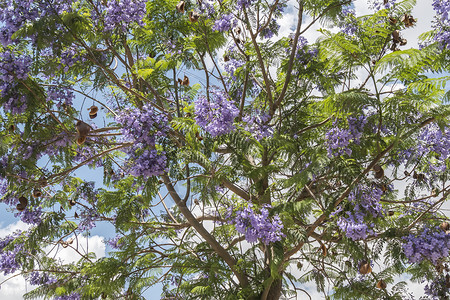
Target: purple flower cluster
x=14 y=14
x=89 y=217
x=442 y=26
x=119 y=13
x=144 y=128
x=256 y=225
x=271 y=29
x=115 y=242
x=365 y=200
x=382 y=4
x=348 y=25
x=8 y=263
x=431 y=243
x=206 y=8
x=339 y=139
x=41 y=278
x=13 y=68
x=217 y=116
x=231 y=66
x=437 y=289
x=225 y=23
x=60 y=95
x=257 y=125
x=73 y=296
x=30 y=216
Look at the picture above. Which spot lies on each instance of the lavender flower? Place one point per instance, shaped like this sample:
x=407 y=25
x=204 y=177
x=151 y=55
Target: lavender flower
x=217 y=116
x=258 y=126
x=119 y=13
x=256 y=225
x=430 y=243
x=224 y=23
x=144 y=128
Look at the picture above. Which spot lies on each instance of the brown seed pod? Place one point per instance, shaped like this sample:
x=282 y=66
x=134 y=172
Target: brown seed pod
x=160 y=181
x=23 y=202
x=365 y=268
x=299 y=265
x=381 y=284
x=196 y=201
x=37 y=193
x=104 y=295
x=420 y=177
x=392 y=20
x=12 y=127
x=198 y=136
x=396 y=36
x=408 y=20
x=185 y=81
x=193 y=16
x=324 y=249
x=379 y=174
x=447 y=281
x=72 y=202
x=403 y=42
x=226 y=58
x=76 y=215
x=390 y=213
x=406 y=173
x=82 y=128
x=93 y=111
x=445 y=226
x=377 y=168
x=180 y=7
x=81 y=140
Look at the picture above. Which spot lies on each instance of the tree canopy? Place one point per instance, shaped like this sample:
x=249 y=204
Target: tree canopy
x=237 y=163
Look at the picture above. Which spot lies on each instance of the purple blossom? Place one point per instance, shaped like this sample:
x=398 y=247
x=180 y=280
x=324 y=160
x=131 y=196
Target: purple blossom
x=224 y=23
x=339 y=139
x=217 y=116
x=73 y=296
x=119 y=13
x=8 y=263
x=144 y=128
x=257 y=125
x=365 y=203
x=430 y=243
x=115 y=242
x=256 y=225
x=30 y=216
x=442 y=24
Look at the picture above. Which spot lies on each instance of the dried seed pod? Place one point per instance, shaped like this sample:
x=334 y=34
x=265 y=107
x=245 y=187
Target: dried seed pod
x=82 y=128
x=408 y=20
x=415 y=175
x=23 y=202
x=12 y=127
x=72 y=202
x=379 y=175
x=104 y=295
x=381 y=284
x=160 y=181
x=435 y=192
x=185 y=81
x=406 y=173
x=396 y=36
x=392 y=20
x=196 y=201
x=445 y=226
x=76 y=215
x=193 y=16
x=365 y=268
x=180 y=81
x=198 y=136
x=390 y=213
x=377 y=168
x=226 y=58
x=238 y=30
x=93 y=111
x=81 y=140
x=299 y=265
x=324 y=249
x=403 y=42
x=420 y=177
x=37 y=193
x=447 y=281
x=180 y=7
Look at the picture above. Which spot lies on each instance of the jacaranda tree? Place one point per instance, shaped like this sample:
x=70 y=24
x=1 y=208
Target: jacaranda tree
x=237 y=163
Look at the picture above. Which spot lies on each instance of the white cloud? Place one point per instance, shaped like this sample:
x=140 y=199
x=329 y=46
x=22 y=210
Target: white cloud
x=13 y=227
x=13 y=286
x=80 y=246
